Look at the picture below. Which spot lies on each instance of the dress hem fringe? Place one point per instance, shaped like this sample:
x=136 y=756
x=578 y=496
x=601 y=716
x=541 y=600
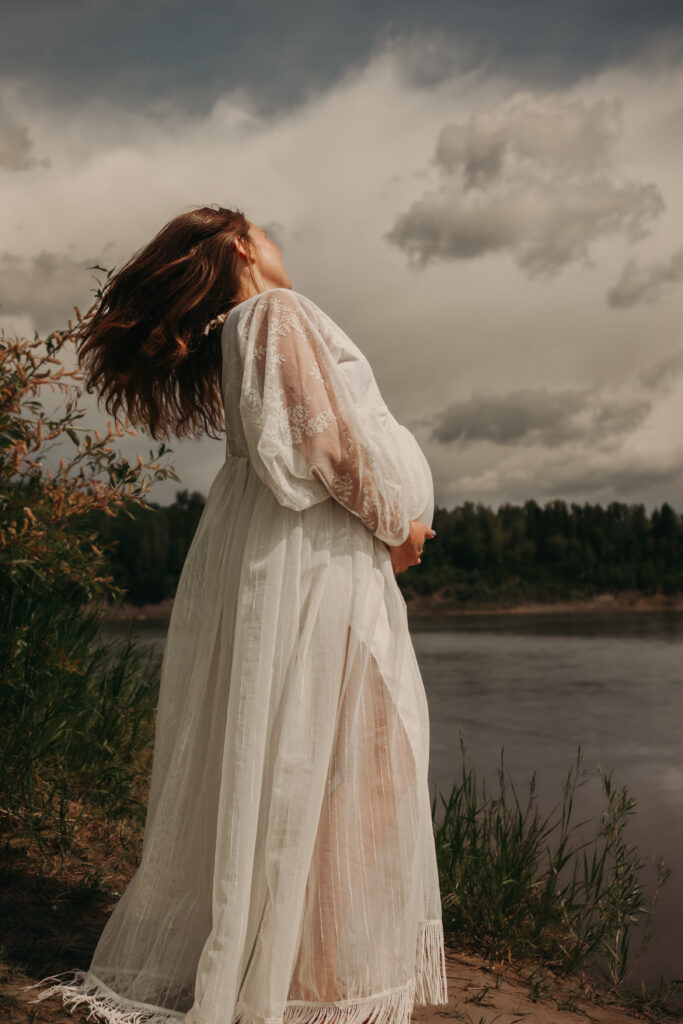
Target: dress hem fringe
x=393 y=1006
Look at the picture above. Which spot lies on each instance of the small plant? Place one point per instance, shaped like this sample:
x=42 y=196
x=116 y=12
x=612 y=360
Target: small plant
x=479 y=997
x=501 y=887
x=612 y=891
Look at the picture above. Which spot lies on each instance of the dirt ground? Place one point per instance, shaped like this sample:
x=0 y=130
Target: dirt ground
x=481 y=994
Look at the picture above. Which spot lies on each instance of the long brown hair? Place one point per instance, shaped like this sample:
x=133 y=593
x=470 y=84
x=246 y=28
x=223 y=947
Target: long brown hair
x=143 y=347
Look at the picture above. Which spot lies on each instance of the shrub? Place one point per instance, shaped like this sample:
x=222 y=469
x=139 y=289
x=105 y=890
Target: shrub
x=72 y=711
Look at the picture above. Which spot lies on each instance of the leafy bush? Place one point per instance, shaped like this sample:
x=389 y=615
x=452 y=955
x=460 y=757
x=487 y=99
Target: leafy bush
x=73 y=711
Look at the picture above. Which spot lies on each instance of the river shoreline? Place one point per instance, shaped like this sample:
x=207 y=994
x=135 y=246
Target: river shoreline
x=626 y=601
x=428 y=605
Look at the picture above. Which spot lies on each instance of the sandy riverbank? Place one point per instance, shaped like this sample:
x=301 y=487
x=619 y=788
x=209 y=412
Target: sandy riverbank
x=505 y=994
x=477 y=992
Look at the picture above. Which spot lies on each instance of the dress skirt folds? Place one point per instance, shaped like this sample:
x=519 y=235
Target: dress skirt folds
x=288 y=871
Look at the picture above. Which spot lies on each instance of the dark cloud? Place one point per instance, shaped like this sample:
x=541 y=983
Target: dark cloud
x=46 y=287
x=646 y=284
x=631 y=478
x=534 y=177
x=539 y=417
x=140 y=54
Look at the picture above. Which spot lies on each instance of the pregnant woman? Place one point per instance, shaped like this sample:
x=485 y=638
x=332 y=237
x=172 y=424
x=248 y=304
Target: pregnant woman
x=288 y=872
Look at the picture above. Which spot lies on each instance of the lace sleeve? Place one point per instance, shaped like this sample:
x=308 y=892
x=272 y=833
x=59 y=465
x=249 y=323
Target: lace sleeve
x=307 y=437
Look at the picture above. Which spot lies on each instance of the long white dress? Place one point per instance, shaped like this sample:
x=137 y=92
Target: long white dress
x=288 y=869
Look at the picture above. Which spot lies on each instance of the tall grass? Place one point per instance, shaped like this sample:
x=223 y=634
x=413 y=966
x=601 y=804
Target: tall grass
x=75 y=713
x=514 y=885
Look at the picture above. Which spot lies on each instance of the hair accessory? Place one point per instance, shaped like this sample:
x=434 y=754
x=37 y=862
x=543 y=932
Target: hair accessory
x=217 y=321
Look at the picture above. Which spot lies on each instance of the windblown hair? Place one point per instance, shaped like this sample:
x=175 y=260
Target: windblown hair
x=144 y=347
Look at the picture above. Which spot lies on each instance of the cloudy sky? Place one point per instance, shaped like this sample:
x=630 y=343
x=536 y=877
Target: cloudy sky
x=486 y=196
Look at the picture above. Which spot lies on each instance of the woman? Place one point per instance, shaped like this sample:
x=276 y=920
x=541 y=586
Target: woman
x=288 y=869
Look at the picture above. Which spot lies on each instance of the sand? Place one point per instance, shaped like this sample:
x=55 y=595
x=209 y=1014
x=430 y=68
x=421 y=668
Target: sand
x=505 y=993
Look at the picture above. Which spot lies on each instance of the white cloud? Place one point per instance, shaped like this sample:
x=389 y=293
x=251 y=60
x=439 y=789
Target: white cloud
x=558 y=136
x=533 y=176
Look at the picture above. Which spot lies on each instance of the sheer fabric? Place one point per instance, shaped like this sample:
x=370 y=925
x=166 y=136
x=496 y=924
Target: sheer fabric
x=288 y=870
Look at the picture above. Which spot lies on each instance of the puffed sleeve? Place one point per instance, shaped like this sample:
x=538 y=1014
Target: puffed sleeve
x=418 y=483
x=307 y=438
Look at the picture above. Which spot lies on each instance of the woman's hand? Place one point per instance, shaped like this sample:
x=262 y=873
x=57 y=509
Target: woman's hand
x=407 y=554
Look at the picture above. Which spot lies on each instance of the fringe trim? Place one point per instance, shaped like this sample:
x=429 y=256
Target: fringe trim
x=84 y=987
x=430 y=965
x=393 y=1006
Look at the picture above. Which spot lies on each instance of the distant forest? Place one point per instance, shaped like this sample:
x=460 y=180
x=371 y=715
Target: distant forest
x=482 y=556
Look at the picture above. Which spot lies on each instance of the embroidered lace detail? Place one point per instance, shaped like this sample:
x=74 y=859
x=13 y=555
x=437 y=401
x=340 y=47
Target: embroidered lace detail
x=298 y=413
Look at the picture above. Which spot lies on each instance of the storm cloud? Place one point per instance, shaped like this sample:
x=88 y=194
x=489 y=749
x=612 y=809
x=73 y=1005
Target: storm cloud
x=143 y=56
x=540 y=185
x=539 y=417
x=624 y=475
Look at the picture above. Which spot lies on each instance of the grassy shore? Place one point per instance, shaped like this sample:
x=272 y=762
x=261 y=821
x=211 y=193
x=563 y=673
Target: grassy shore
x=54 y=907
x=56 y=897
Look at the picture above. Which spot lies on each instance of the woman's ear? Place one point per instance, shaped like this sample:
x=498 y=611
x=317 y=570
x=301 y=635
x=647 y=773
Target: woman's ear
x=247 y=247
x=241 y=247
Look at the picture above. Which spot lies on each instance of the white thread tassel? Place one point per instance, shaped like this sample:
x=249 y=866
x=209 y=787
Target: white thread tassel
x=430 y=967
x=99 y=999
x=391 y=1007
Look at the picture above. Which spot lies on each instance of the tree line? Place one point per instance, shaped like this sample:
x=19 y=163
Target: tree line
x=530 y=551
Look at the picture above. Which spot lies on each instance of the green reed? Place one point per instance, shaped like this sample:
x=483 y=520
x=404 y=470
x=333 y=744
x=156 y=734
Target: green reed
x=514 y=884
x=75 y=713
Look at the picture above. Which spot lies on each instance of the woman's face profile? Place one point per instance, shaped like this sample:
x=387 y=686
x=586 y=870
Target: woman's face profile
x=269 y=265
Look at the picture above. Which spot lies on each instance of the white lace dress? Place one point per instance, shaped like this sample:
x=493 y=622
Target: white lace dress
x=288 y=869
